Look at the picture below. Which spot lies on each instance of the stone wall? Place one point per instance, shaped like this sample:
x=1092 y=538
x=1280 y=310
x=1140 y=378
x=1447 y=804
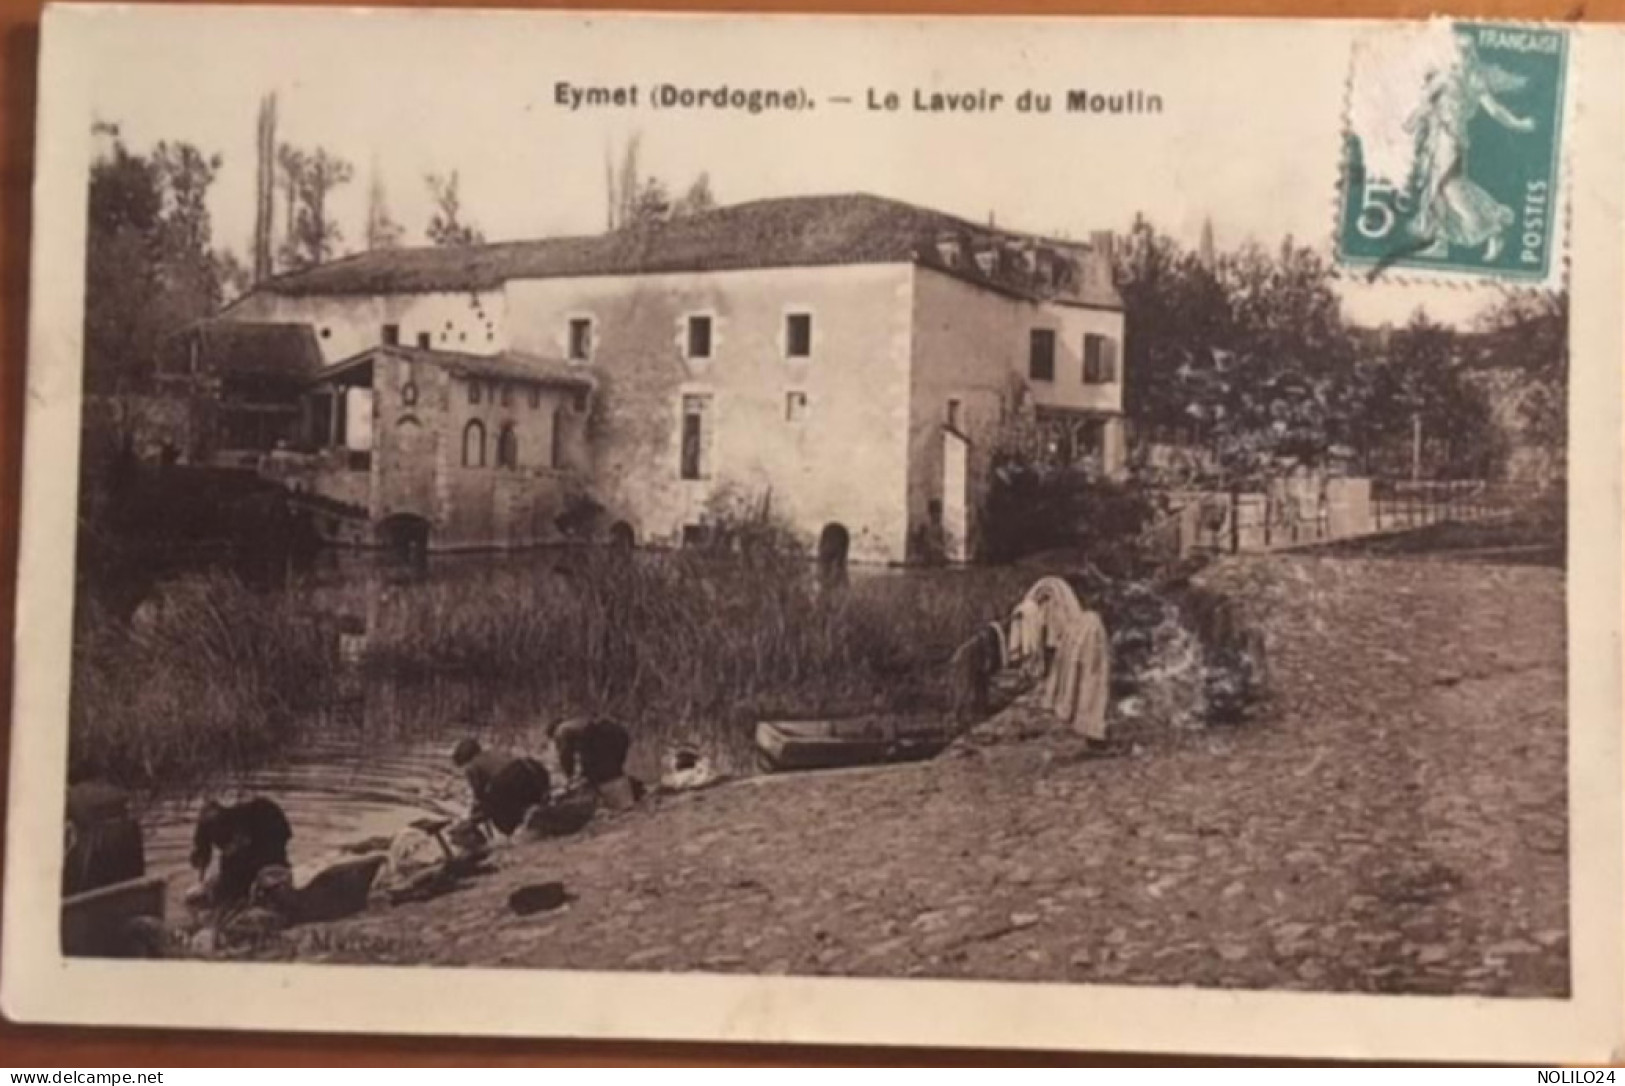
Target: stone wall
x=347 y=324
x=822 y=438
x=430 y=462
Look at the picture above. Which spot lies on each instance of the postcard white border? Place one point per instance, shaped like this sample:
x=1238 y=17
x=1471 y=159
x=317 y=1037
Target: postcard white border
x=39 y=986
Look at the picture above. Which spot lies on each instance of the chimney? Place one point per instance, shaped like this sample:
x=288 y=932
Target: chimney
x=1101 y=242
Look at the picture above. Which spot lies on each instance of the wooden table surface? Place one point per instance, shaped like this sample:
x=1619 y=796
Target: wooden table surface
x=22 y=1046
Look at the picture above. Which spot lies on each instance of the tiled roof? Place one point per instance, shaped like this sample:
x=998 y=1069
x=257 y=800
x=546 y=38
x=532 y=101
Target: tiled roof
x=255 y=348
x=802 y=231
x=515 y=366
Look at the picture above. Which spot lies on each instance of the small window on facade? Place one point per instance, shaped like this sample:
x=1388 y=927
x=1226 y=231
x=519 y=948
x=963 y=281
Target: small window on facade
x=506 y=395
x=953 y=414
x=507 y=448
x=798 y=335
x=1041 y=355
x=425 y=340
x=795 y=406
x=392 y=334
x=474 y=445
x=580 y=339
x=555 y=450
x=473 y=392
x=409 y=394
x=1096 y=365
x=327 y=333
x=696 y=441
x=580 y=401
x=699 y=337
x=535 y=398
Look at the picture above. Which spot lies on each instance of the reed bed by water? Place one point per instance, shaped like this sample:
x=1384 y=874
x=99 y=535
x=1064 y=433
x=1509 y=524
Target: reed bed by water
x=221 y=679
x=686 y=644
x=216 y=679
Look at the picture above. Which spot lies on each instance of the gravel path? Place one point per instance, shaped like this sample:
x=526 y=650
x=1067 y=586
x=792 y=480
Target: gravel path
x=1394 y=821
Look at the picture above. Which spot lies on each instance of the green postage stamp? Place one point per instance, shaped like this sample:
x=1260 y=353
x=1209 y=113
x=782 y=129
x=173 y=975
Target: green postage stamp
x=1452 y=152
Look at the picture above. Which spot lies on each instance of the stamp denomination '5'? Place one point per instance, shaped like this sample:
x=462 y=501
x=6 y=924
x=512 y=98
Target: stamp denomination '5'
x=1452 y=151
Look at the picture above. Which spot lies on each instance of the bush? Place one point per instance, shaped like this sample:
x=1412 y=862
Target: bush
x=1031 y=510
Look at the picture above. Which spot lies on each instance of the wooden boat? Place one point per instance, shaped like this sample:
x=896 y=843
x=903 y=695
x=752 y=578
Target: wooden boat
x=124 y=920
x=784 y=745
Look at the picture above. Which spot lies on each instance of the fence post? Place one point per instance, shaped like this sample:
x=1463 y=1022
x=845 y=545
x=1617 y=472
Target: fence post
x=1235 y=520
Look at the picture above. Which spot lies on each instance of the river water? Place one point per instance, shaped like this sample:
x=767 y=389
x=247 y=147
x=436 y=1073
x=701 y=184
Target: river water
x=336 y=796
x=381 y=758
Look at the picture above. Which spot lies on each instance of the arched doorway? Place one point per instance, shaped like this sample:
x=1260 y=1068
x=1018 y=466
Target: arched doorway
x=406 y=537
x=834 y=545
x=621 y=536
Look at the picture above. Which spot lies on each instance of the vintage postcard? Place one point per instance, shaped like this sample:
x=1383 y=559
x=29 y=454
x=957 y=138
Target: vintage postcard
x=1047 y=533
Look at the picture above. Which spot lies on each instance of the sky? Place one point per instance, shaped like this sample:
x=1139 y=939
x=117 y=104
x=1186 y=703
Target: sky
x=1248 y=137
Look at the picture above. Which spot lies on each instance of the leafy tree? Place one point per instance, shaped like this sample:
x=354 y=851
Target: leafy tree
x=635 y=201
x=150 y=269
x=314 y=236
x=236 y=278
x=1420 y=386
x=1282 y=393
x=446 y=226
x=652 y=206
x=697 y=199
x=1176 y=318
x=1527 y=336
x=290 y=172
x=1247 y=352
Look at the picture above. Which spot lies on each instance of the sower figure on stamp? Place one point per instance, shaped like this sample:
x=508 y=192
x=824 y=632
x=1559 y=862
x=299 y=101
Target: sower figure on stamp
x=1453 y=209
